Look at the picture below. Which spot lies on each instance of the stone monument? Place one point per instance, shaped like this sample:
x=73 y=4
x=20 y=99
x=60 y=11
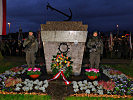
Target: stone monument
x=72 y=33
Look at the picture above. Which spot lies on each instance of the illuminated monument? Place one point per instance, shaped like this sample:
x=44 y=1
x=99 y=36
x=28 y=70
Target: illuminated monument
x=72 y=34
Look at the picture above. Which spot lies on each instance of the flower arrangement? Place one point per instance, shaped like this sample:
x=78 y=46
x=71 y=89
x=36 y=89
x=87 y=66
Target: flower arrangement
x=61 y=62
x=16 y=69
x=109 y=85
x=33 y=71
x=115 y=72
x=92 y=72
x=12 y=81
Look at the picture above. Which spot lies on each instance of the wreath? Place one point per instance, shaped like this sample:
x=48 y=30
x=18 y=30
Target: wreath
x=61 y=62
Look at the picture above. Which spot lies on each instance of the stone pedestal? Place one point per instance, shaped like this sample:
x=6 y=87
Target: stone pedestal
x=73 y=33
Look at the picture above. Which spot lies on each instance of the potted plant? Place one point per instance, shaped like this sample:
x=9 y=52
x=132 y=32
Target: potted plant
x=92 y=73
x=33 y=72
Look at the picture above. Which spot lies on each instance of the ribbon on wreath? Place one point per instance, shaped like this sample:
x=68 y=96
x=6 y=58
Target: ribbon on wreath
x=63 y=77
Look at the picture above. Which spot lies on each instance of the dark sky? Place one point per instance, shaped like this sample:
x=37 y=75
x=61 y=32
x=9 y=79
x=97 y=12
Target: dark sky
x=101 y=15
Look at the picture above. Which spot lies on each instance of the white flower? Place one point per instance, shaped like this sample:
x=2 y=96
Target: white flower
x=74 y=82
x=30 y=88
x=87 y=91
x=75 y=86
x=88 y=86
x=29 y=85
x=3 y=83
x=100 y=92
x=95 y=83
x=76 y=90
x=14 y=73
x=27 y=80
x=17 y=85
x=89 y=83
x=17 y=89
x=25 y=88
x=85 y=87
x=85 y=81
x=7 y=72
x=81 y=88
x=36 y=81
x=81 y=85
x=36 y=87
x=4 y=78
x=42 y=88
x=80 y=82
x=18 y=73
x=45 y=85
x=94 y=89
x=31 y=81
x=46 y=81
x=23 y=71
x=91 y=86
x=40 y=83
x=100 y=87
x=131 y=85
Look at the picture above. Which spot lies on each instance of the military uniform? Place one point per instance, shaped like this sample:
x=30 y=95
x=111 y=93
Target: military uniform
x=31 y=47
x=95 y=45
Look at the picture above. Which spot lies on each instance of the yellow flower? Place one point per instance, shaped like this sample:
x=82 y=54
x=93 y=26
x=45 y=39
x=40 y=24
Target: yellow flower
x=65 y=61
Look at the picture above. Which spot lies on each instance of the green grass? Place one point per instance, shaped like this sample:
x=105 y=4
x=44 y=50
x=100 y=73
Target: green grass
x=23 y=97
x=95 y=98
x=6 y=65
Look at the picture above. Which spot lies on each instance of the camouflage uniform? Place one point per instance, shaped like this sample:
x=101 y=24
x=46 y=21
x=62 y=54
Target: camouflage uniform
x=30 y=50
x=95 y=45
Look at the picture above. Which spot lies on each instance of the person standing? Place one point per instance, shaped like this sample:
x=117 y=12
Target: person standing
x=31 y=47
x=95 y=45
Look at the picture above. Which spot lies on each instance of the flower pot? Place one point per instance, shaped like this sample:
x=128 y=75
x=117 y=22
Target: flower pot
x=34 y=76
x=92 y=77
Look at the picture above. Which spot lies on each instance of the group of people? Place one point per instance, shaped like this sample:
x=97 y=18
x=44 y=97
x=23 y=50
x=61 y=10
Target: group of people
x=97 y=48
x=11 y=48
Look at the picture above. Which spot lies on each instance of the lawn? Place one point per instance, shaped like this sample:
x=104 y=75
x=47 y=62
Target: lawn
x=23 y=97
x=6 y=65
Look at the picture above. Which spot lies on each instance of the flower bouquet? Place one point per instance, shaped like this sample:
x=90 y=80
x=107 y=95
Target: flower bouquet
x=34 y=72
x=92 y=73
x=115 y=72
x=61 y=62
x=109 y=85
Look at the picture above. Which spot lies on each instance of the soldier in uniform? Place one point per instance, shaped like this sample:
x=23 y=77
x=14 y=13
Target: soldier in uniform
x=95 y=45
x=31 y=47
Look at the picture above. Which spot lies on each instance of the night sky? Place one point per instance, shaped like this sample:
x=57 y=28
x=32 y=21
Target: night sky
x=101 y=15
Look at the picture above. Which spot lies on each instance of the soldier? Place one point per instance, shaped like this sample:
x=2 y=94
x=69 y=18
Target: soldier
x=31 y=47
x=95 y=45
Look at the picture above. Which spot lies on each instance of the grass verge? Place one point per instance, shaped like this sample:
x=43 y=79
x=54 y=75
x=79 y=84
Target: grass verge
x=23 y=97
x=6 y=65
